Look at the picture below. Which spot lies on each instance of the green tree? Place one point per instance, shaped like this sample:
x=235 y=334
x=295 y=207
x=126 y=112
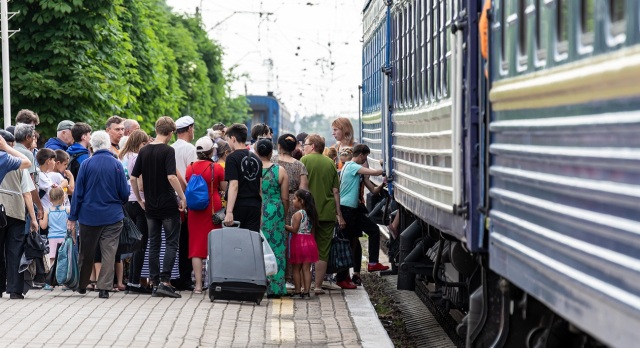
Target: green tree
x=71 y=60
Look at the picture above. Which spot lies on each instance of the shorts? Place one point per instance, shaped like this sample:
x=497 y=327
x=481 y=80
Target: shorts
x=53 y=245
x=323 y=236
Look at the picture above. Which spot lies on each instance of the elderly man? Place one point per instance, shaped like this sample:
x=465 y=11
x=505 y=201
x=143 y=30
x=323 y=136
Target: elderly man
x=25 y=135
x=16 y=187
x=10 y=159
x=101 y=190
x=130 y=126
x=115 y=129
x=325 y=187
x=63 y=138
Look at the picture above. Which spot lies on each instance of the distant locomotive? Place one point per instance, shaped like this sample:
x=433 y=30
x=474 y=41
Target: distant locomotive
x=268 y=109
x=516 y=168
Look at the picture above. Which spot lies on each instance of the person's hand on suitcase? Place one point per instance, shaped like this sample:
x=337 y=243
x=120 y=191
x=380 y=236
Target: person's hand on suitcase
x=228 y=218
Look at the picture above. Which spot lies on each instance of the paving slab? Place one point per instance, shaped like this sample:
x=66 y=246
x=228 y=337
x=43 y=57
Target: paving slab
x=66 y=319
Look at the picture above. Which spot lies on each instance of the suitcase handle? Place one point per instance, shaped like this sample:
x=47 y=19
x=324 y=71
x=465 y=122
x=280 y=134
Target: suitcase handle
x=234 y=223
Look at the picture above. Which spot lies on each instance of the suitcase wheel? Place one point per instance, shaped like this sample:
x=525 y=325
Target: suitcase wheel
x=258 y=301
x=212 y=298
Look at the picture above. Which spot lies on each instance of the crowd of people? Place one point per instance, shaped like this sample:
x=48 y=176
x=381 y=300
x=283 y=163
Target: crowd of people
x=83 y=183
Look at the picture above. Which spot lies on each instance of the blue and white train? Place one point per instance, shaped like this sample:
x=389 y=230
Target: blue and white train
x=514 y=160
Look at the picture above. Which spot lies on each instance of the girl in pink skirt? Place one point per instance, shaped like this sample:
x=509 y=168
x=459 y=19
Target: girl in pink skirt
x=303 y=250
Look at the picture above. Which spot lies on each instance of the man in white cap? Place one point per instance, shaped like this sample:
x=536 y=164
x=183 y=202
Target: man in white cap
x=185 y=155
x=63 y=139
x=185 y=151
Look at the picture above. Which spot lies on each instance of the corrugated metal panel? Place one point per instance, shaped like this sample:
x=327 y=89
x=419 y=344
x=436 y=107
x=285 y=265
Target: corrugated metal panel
x=566 y=215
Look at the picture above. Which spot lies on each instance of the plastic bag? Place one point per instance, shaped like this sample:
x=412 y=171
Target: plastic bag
x=270 y=263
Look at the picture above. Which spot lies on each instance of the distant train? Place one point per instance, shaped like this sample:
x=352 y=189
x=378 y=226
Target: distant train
x=514 y=159
x=268 y=109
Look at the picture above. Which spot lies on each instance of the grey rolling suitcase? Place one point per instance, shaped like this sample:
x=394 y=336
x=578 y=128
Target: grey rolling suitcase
x=236 y=265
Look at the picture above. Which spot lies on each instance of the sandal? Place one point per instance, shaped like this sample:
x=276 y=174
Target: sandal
x=197 y=292
x=91 y=286
x=319 y=292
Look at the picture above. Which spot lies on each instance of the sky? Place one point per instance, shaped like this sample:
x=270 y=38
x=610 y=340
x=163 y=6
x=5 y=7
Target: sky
x=307 y=52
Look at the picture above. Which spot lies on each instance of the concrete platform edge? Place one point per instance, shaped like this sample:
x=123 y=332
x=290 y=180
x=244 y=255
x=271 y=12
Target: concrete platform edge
x=365 y=319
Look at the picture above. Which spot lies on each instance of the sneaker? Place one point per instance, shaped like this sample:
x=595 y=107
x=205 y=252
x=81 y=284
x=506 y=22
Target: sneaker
x=47 y=287
x=330 y=286
x=167 y=291
x=154 y=292
x=290 y=286
x=346 y=284
x=377 y=267
x=356 y=280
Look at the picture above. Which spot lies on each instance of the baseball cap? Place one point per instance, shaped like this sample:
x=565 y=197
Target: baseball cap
x=184 y=121
x=205 y=144
x=65 y=125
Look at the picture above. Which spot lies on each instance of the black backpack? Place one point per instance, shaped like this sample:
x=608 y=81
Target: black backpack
x=74 y=164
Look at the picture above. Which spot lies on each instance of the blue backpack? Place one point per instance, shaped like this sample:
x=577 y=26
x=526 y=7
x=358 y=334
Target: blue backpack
x=197 y=192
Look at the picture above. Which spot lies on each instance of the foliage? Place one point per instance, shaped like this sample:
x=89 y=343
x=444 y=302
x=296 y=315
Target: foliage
x=85 y=60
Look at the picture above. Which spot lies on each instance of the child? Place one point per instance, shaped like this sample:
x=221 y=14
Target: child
x=46 y=161
x=303 y=250
x=61 y=176
x=346 y=155
x=330 y=152
x=55 y=219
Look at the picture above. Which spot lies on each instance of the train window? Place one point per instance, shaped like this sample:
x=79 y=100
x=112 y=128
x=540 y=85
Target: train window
x=405 y=55
x=394 y=60
x=587 y=22
x=541 y=32
x=429 y=35
x=446 y=44
x=410 y=55
x=436 y=49
x=522 y=28
x=616 y=16
x=562 y=25
x=502 y=7
x=419 y=51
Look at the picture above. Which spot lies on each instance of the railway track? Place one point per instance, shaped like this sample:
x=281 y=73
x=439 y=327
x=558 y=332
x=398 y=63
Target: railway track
x=427 y=324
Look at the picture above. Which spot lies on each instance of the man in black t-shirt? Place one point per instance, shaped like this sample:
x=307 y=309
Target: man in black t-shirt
x=243 y=171
x=156 y=163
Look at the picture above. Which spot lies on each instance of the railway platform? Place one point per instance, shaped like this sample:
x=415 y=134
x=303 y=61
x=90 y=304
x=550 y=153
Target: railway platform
x=65 y=319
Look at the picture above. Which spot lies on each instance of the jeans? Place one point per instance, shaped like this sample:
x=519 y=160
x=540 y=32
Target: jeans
x=358 y=222
x=171 y=226
x=106 y=238
x=136 y=213
x=12 y=239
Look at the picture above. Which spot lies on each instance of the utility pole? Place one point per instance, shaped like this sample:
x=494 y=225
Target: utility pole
x=6 y=86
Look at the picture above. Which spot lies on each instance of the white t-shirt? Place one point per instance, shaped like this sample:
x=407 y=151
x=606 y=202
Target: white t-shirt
x=45 y=183
x=185 y=155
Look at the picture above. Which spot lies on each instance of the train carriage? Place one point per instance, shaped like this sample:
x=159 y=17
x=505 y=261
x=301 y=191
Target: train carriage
x=565 y=159
x=517 y=174
x=268 y=109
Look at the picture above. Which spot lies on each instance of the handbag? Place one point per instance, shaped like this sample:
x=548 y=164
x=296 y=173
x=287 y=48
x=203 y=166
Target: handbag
x=130 y=237
x=218 y=217
x=340 y=254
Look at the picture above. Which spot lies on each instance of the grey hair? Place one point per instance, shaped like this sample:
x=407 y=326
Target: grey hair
x=128 y=123
x=100 y=141
x=23 y=131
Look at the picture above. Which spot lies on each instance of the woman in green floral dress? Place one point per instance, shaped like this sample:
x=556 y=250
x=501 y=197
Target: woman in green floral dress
x=275 y=202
